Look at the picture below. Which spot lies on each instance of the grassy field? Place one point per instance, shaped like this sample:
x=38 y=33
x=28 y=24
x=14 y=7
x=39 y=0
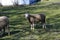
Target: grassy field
x=19 y=26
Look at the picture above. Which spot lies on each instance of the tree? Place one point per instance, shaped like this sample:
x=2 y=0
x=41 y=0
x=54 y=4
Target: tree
x=0 y=4
x=15 y=3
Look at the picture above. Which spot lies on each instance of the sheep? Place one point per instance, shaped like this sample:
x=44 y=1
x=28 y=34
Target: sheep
x=33 y=18
x=4 y=24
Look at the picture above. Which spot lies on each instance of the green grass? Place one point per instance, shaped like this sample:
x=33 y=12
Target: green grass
x=19 y=26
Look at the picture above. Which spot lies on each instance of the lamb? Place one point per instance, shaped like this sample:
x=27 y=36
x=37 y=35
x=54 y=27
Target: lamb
x=4 y=24
x=33 y=18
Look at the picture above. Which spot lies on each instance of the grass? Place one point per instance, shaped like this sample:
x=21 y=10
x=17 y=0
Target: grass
x=19 y=26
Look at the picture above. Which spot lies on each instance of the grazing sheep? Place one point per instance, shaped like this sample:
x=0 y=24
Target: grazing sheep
x=33 y=18
x=4 y=24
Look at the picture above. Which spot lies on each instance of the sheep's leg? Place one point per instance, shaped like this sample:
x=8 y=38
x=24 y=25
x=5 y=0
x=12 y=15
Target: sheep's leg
x=4 y=30
x=8 y=29
x=1 y=32
x=44 y=26
x=33 y=26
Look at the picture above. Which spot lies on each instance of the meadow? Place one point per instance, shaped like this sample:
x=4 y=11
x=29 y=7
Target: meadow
x=20 y=27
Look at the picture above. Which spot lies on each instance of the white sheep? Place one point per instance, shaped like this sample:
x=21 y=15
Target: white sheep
x=4 y=24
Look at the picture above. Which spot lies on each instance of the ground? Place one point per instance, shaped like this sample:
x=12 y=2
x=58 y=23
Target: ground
x=20 y=28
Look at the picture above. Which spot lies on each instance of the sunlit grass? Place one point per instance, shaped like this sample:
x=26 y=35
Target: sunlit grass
x=20 y=27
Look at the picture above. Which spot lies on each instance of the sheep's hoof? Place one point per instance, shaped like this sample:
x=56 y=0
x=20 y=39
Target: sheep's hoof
x=8 y=34
x=32 y=29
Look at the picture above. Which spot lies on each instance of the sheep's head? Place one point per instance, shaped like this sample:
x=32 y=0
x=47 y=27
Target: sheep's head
x=26 y=15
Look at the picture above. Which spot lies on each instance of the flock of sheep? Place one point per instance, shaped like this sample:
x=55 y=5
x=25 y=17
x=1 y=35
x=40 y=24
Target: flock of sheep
x=32 y=18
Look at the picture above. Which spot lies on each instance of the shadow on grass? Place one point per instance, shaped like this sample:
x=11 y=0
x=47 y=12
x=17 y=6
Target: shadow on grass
x=11 y=33
x=55 y=21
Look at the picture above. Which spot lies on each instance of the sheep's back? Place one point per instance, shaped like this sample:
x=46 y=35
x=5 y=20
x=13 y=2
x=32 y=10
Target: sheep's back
x=37 y=16
x=3 y=21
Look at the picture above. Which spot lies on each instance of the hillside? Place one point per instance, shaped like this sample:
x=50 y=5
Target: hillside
x=19 y=26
